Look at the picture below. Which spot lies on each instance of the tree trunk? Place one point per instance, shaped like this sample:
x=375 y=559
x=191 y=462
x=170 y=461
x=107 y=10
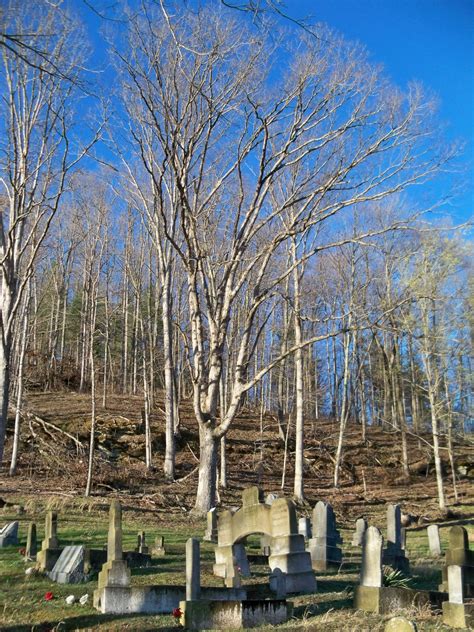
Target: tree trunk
x=206 y=491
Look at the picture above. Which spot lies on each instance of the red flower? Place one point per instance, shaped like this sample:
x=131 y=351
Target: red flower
x=22 y=551
x=177 y=613
x=49 y=596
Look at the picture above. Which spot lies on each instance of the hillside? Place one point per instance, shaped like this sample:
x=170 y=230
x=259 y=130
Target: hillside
x=53 y=460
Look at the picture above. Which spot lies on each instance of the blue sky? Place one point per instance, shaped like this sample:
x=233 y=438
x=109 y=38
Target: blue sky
x=428 y=40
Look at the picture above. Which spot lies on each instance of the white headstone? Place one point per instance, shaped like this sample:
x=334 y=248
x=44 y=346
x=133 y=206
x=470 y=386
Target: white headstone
x=371 y=570
x=455 y=584
x=433 y=540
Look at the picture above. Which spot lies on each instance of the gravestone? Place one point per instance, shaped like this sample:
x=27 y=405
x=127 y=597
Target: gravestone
x=304 y=527
x=31 y=543
x=115 y=571
x=50 y=551
x=9 y=534
x=371 y=569
x=459 y=554
x=158 y=549
x=69 y=569
x=361 y=528
x=241 y=559
x=193 y=570
x=286 y=546
x=211 y=529
x=400 y=624
x=141 y=543
x=433 y=540
x=394 y=553
x=458 y=612
x=323 y=546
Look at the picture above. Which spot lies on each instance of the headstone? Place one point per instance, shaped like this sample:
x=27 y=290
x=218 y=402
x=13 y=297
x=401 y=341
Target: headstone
x=361 y=528
x=158 y=549
x=115 y=571
x=371 y=570
x=50 y=551
x=323 y=546
x=69 y=569
x=394 y=553
x=114 y=539
x=278 y=584
x=9 y=534
x=433 y=540
x=241 y=559
x=193 y=570
x=400 y=624
x=31 y=543
x=455 y=584
x=459 y=554
x=211 y=530
x=304 y=527
x=141 y=543
x=394 y=525
x=265 y=544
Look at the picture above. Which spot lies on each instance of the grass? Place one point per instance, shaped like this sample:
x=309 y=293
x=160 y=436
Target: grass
x=23 y=607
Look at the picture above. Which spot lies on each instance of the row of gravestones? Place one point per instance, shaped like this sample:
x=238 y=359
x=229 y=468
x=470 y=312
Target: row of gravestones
x=114 y=593
x=72 y=564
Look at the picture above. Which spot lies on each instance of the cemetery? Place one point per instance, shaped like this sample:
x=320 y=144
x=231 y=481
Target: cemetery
x=252 y=566
x=236 y=315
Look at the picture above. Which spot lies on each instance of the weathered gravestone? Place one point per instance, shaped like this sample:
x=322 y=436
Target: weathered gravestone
x=69 y=569
x=211 y=529
x=433 y=540
x=193 y=570
x=304 y=527
x=158 y=549
x=372 y=596
x=458 y=612
x=361 y=528
x=323 y=546
x=115 y=571
x=50 y=550
x=31 y=543
x=394 y=553
x=141 y=543
x=9 y=534
x=400 y=624
x=459 y=554
x=287 y=547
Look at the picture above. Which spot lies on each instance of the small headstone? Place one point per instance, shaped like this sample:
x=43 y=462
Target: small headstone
x=241 y=559
x=371 y=570
x=455 y=584
x=400 y=624
x=193 y=570
x=361 y=528
x=270 y=498
x=69 y=569
x=433 y=540
x=9 y=534
x=278 y=583
x=304 y=527
x=211 y=530
x=158 y=549
x=251 y=496
x=31 y=543
x=265 y=544
x=141 y=543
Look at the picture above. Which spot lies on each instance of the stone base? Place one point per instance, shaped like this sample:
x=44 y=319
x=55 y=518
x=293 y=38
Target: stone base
x=386 y=600
x=234 y=615
x=155 y=599
x=458 y=615
x=296 y=583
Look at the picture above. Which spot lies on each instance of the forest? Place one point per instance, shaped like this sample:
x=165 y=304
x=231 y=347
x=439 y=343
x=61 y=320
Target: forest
x=231 y=218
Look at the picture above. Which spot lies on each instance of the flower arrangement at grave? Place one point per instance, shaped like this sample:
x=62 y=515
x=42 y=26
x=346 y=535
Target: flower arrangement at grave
x=49 y=596
x=177 y=614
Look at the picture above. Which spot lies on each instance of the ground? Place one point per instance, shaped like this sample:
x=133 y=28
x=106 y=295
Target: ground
x=52 y=474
